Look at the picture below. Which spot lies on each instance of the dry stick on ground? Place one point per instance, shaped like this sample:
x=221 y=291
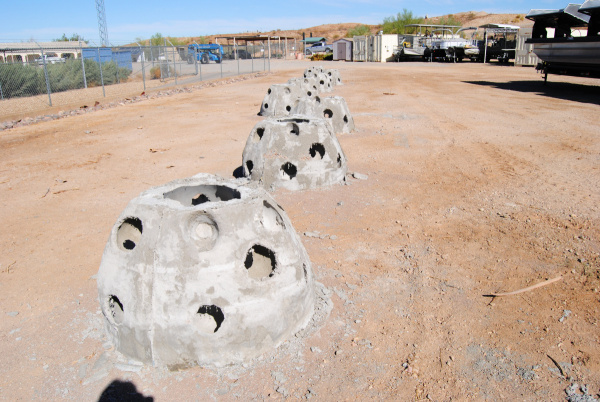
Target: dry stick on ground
x=539 y=285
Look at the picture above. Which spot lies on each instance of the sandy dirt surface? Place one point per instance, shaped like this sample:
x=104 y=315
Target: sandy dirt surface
x=480 y=180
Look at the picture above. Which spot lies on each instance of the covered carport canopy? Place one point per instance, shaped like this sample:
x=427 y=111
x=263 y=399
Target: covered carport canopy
x=236 y=39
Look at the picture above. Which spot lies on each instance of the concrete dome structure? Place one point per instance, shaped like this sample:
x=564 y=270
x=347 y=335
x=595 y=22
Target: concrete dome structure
x=295 y=152
x=203 y=271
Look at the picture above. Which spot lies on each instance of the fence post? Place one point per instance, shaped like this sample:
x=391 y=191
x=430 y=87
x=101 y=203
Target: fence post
x=1 y=94
x=221 y=63
x=174 y=65
x=143 y=56
x=46 y=77
x=101 y=75
x=251 y=54
x=82 y=66
x=117 y=64
x=237 y=56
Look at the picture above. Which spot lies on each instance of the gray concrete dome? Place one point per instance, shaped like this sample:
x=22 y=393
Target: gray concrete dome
x=296 y=152
x=203 y=271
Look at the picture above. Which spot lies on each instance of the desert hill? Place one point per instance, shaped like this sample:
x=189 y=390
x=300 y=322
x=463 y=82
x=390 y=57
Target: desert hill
x=336 y=31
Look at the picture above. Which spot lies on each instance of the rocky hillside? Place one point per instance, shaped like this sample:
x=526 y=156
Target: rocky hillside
x=336 y=31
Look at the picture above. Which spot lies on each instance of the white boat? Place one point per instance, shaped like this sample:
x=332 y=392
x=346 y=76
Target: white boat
x=568 y=40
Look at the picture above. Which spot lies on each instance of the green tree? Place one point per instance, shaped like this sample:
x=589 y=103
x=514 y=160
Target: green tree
x=157 y=39
x=359 y=30
x=74 y=38
x=396 y=24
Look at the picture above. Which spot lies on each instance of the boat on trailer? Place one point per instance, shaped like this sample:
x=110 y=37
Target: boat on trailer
x=567 y=40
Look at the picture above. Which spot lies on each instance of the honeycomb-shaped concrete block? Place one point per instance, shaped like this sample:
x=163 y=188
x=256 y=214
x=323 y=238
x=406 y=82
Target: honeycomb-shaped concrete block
x=333 y=109
x=203 y=271
x=295 y=152
x=280 y=99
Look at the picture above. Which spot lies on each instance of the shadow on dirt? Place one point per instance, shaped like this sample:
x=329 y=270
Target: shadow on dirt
x=123 y=391
x=559 y=90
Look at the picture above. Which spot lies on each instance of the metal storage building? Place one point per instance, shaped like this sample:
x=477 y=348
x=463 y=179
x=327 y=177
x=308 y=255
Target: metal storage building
x=342 y=50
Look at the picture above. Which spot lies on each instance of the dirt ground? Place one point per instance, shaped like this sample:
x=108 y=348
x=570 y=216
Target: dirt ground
x=480 y=180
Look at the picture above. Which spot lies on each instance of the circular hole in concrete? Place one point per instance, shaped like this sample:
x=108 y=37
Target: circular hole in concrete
x=269 y=91
x=258 y=134
x=260 y=262
x=266 y=105
x=339 y=80
x=195 y=195
x=329 y=73
x=317 y=148
x=272 y=220
x=322 y=82
x=288 y=170
x=249 y=167
x=294 y=128
x=309 y=93
x=129 y=234
x=209 y=319
x=115 y=310
x=346 y=119
x=317 y=99
x=204 y=230
x=328 y=113
x=288 y=108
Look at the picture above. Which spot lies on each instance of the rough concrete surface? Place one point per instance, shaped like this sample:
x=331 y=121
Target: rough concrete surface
x=203 y=271
x=333 y=109
x=295 y=152
x=479 y=179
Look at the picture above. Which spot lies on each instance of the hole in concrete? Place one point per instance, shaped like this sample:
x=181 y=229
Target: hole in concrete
x=305 y=272
x=294 y=129
x=322 y=82
x=194 y=195
x=289 y=170
x=339 y=80
x=258 y=134
x=204 y=230
x=346 y=119
x=329 y=73
x=199 y=199
x=339 y=160
x=115 y=310
x=260 y=262
x=317 y=99
x=309 y=93
x=271 y=220
x=209 y=319
x=317 y=148
x=249 y=166
x=269 y=91
x=287 y=90
x=328 y=113
x=266 y=105
x=129 y=234
x=288 y=108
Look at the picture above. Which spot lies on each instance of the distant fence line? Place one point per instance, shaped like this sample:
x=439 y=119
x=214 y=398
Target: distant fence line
x=32 y=80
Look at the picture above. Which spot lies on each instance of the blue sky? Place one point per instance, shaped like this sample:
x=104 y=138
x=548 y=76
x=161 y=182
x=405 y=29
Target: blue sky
x=45 y=20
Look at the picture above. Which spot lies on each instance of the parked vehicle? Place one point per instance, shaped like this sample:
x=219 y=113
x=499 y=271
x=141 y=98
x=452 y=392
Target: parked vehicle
x=51 y=58
x=241 y=54
x=319 y=47
x=205 y=53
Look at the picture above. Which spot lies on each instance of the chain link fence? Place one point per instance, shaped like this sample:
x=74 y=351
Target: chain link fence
x=46 y=79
